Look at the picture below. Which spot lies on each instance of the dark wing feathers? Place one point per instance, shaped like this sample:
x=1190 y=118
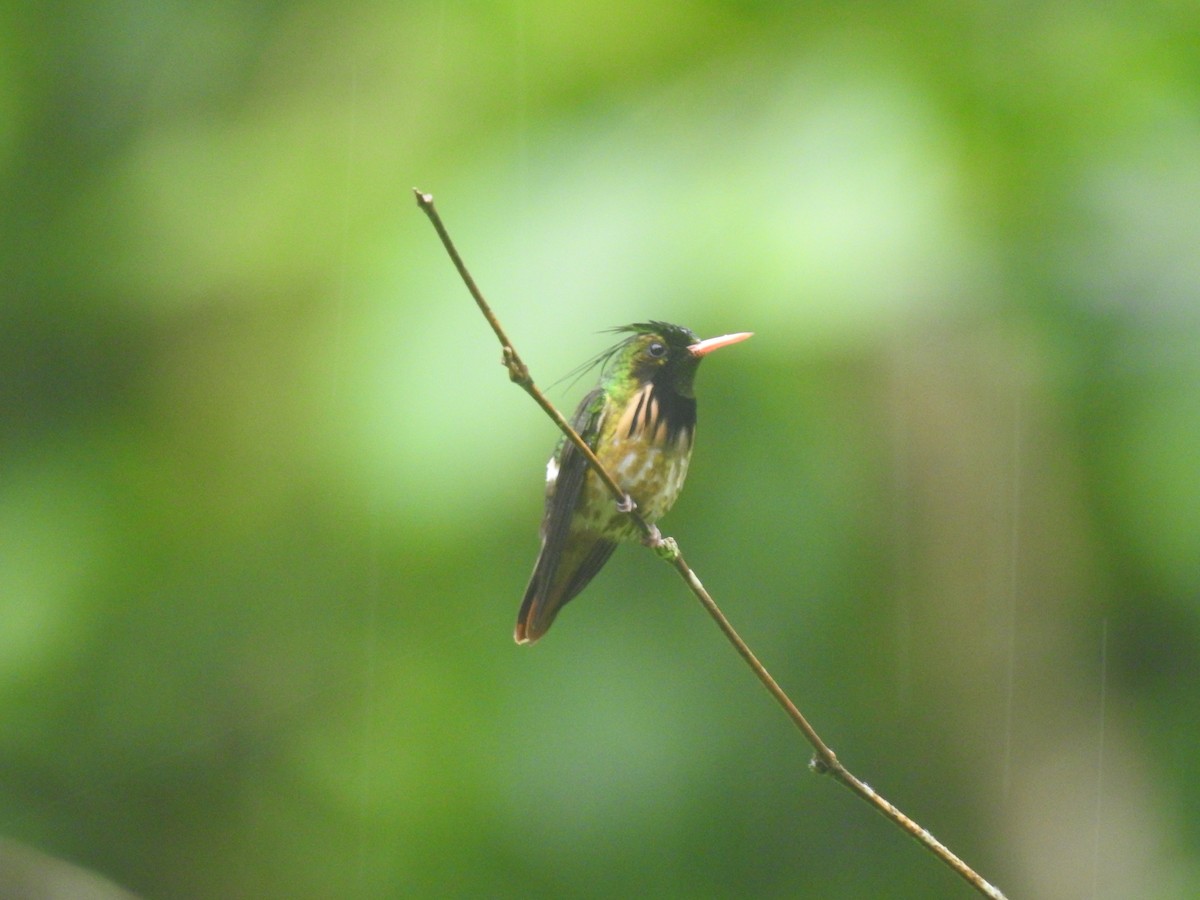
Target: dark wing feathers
x=545 y=595
x=572 y=468
x=597 y=556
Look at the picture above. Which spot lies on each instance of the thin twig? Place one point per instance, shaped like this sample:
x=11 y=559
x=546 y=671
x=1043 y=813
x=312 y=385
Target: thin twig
x=519 y=372
x=824 y=761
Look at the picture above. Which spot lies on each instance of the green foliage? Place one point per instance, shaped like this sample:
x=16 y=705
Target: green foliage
x=268 y=503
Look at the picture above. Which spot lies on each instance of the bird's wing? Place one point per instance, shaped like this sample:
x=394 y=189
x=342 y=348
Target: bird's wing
x=546 y=593
x=563 y=496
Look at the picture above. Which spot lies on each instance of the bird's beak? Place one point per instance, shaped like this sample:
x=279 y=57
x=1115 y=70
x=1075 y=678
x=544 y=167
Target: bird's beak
x=700 y=348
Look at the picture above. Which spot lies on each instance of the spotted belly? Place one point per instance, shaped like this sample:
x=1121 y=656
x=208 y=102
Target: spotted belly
x=652 y=475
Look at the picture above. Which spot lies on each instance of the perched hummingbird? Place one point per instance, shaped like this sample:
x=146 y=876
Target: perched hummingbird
x=640 y=422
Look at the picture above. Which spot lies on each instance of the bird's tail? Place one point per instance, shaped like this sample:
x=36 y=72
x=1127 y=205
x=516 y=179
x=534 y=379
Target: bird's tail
x=556 y=581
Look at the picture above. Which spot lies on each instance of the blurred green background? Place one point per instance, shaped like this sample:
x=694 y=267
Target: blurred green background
x=268 y=502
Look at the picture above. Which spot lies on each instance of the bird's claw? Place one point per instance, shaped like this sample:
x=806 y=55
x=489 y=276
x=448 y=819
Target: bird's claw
x=664 y=547
x=626 y=504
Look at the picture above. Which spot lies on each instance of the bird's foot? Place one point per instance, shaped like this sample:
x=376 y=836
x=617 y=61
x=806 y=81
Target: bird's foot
x=626 y=504
x=664 y=547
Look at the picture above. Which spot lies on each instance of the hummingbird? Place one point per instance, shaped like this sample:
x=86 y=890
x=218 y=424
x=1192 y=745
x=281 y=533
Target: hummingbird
x=640 y=422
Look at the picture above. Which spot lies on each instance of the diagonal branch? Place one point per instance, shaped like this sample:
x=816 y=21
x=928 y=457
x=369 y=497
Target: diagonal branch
x=824 y=760
x=519 y=372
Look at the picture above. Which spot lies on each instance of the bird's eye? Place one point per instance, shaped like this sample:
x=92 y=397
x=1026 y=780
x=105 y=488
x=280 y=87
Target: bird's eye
x=657 y=350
